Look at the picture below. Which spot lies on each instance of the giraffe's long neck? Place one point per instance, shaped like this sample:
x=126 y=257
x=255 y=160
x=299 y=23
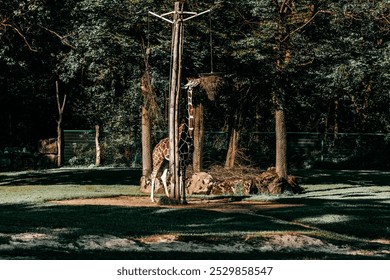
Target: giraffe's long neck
x=190 y=107
x=190 y=111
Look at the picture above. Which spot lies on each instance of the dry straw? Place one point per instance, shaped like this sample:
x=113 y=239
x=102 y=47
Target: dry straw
x=210 y=85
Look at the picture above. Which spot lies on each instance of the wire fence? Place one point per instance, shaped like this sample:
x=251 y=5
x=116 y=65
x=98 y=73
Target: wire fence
x=305 y=150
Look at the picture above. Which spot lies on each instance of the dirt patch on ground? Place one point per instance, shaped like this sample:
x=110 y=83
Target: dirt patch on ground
x=222 y=205
x=125 y=201
x=227 y=229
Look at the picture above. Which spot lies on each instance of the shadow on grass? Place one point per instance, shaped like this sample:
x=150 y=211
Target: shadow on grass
x=360 y=218
x=87 y=232
x=50 y=254
x=64 y=227
x=129 y=221
x=351 y=177
x=45 y=231
x=95 y=176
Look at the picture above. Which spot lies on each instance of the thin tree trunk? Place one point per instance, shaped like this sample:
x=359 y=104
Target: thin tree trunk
x=236 y=126
x=97 y=145
x=146 y=143
x=232 y=150
x=280 y=129
x=60 y=108
x=148 y=111
x=281 y=144
x=59 y=144
x=336 y=119
x=198 y=138
x=282 y=45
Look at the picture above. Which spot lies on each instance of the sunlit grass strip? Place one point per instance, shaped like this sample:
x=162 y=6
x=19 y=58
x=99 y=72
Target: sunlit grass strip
x=32 y=194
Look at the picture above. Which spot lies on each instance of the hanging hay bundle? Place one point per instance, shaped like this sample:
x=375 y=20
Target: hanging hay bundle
x=210 y=85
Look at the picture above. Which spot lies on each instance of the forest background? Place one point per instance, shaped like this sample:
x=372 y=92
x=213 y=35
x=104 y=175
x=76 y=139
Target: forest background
x=324 y=64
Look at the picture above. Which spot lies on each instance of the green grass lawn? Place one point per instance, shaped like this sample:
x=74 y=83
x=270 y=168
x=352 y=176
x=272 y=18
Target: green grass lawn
x=341 y=215
x=58 y=184
x=33 y=194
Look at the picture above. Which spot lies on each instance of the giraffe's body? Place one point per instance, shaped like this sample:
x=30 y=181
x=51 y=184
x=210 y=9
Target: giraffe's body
x=160 y=154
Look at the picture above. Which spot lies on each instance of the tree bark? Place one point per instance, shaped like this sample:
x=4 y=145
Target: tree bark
x=60 y=108
x=232 y=150
x=146 y=143
x=198 y=138
x=177 y=43
x=235 y=129
x=336 y=119
x=148 y=111
x=281 y=144
x=59 y=144
x=97 y=145
x=282 y=46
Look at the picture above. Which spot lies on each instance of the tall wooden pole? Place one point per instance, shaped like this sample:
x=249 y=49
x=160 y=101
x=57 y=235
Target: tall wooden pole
x=175 y=86
x=173 y=100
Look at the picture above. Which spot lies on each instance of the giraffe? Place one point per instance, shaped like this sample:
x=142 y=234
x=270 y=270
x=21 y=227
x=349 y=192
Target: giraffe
x=159 y=155
x=185 y=145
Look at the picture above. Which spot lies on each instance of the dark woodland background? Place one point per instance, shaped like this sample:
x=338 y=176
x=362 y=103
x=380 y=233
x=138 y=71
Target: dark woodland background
x=328 y=61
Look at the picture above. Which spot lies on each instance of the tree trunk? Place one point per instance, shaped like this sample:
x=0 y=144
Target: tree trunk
x=97 y=145
x=198 y=138
x=236 y=125
x=336 y=118
x=280 y=128
x=149 y=110
x=232 y=150
x=60 y=108
x=281 y=144
x=282 y=46
x=59 y=143
x=146 y=143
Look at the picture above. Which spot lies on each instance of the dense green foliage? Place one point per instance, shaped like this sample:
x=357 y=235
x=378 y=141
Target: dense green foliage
x=336 y=78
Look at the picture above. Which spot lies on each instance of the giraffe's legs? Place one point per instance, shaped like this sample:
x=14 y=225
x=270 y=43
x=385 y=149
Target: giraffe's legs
x=164 y=180
x=153 y=177
x=182 y=183
x=153 y=187
x=183 y=189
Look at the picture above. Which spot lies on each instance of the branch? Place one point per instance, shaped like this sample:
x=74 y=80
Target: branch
x=60 y=107
x=282 y=7
x=58 y=98
x=62 y=38
x=20 y=34
x=306 y=63
x=385 y=18
x=245 y=21
x=63 y=104
x=304 y=25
